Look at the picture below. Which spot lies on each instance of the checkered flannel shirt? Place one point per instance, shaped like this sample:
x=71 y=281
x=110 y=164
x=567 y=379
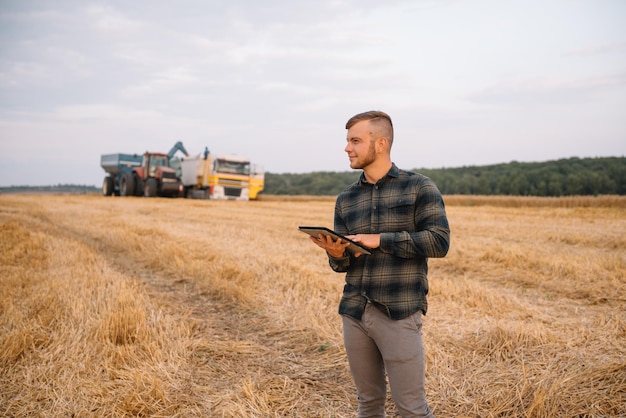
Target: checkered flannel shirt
x=408 y=212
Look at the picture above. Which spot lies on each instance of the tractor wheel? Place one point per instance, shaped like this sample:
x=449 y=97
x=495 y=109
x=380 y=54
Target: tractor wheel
x=150 y=188
x=139 y=186
x=127 y=188
x=107 y=186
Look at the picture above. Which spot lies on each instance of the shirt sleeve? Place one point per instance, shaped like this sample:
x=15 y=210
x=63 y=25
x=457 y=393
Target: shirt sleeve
x=342 y=264
x=339 y=265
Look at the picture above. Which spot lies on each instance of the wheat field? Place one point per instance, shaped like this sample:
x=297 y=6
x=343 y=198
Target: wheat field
x=118 y=307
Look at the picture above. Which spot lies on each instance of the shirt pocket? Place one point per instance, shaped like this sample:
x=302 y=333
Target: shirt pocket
x=400 y=212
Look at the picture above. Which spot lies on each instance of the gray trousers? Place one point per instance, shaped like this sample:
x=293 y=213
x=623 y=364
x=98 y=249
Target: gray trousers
x=376 y=344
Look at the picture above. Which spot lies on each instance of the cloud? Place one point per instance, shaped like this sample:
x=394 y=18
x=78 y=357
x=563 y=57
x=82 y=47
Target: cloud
x=547 y=90
x=598 y=49
x=105 y=112
x=276 y=80
x=109 y=21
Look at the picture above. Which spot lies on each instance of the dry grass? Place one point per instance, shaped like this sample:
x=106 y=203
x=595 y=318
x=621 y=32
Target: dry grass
x=179 y=308
x=605 y=201
x=602 y=201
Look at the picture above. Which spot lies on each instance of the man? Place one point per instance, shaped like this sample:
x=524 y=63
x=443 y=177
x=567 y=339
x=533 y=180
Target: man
x=401 y=217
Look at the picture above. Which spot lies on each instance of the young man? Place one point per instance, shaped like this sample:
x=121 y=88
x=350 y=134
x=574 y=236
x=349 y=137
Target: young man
x=401 y=217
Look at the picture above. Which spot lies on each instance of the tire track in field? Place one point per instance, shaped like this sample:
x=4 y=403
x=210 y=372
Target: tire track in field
x=240 y=348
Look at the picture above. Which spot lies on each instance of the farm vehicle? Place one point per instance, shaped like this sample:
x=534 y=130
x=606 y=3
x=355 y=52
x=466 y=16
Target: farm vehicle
x=221 y=176
x=147 y=175
x=204 y=176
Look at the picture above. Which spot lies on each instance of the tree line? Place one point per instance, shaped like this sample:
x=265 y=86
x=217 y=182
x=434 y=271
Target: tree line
x=564 y=177
x=57 y=188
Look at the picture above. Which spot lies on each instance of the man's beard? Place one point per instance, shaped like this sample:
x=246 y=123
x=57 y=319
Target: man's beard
x=369 y=158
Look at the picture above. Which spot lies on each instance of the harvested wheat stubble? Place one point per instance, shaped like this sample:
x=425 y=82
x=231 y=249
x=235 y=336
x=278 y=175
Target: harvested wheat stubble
x=172 y=307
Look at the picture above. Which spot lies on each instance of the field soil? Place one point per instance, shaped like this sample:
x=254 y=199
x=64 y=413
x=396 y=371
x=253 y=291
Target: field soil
x=151 y=307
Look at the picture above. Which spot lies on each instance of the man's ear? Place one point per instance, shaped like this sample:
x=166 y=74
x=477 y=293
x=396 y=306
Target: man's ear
x=381 y=144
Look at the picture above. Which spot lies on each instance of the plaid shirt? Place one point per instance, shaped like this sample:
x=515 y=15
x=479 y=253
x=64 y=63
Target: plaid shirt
x=408 y=212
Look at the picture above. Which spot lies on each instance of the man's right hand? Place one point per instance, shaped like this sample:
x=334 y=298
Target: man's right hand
x=335 y=249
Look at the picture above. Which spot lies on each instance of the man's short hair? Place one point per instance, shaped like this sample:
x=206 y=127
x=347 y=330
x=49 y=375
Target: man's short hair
x=378 y=118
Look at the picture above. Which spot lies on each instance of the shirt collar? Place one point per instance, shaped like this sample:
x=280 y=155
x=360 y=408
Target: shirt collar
x=394 y=171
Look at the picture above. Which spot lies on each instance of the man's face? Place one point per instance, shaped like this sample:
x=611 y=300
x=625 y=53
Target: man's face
x=360 y=147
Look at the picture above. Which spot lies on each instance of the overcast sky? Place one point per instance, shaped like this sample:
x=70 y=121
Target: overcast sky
x=471 y=82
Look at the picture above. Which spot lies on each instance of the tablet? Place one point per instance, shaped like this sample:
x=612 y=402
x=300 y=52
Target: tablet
x=315 y=231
